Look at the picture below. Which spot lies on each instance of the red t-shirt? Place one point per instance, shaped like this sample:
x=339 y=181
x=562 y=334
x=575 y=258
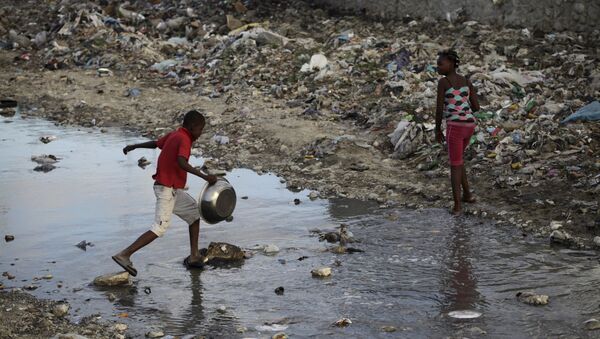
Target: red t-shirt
x=175 y=144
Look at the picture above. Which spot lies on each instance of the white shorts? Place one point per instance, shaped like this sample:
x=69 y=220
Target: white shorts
x=171 y=201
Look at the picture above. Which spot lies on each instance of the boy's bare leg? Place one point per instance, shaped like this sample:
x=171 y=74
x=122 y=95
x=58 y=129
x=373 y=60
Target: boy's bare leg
x=456 y=173
x=467 y=196
x=194 y=234
x=140 y=242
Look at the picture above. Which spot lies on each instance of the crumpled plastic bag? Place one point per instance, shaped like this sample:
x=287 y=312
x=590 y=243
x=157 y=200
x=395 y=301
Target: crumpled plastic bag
x=589 y=112
x=408 y=138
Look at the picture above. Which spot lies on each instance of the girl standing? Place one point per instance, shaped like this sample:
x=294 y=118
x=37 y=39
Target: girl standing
x=456 y=102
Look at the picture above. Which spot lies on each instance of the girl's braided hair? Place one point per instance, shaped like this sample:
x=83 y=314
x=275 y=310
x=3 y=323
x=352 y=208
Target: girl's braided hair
x=451 y=55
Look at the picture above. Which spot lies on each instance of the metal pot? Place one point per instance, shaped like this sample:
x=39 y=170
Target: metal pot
x=217 y=202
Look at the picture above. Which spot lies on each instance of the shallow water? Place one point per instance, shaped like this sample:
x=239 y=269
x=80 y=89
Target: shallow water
x=417 y=266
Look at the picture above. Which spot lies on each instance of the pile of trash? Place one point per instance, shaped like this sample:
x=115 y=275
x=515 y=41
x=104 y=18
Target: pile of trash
x=535 y=88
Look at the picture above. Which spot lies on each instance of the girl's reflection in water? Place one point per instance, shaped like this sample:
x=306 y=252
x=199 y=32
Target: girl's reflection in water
x=459 y=283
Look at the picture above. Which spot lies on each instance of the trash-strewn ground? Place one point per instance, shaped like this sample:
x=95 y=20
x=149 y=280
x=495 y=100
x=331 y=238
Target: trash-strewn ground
x=343 y=106
x=24 y=316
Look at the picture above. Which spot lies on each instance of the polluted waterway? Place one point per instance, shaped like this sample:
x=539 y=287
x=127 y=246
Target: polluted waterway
x=417 y=268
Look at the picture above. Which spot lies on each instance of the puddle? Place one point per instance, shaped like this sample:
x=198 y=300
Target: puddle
x=418 y=266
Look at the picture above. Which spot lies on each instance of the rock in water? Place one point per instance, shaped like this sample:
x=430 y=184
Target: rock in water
x=60 y=310
x=330 y=237
x=222 y=253
x=344 y=322
x=592 y=324
x=560 y=237
x=9 y=237
x=270 y=249
x=388 y=329
x=533 y=299
x=44 y=168
x=44 y=159
x=280 y=335
x=155 y=334
x=321 y=272
x=120 y=327
x=112 y=279
x=47 y=139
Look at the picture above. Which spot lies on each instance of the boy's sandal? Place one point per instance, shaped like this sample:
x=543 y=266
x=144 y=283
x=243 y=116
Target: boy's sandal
x=125 y=264
x=192 y=264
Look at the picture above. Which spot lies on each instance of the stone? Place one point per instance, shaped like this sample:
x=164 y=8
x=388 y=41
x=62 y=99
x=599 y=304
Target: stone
x=533 y=299
x=270 y=249
x=112 y=279
x=155 y=334
x=222 y=309
x=597 y=241
x=221 y=253
x=321 y=272
x=111 y=297
x=279 y=290
x=9 y=237
x=313 y=195
x=560 y=237
x=120 y=327
x=279 y=335
x=8 y=276
x=344 y=322
x=60 y=310
x=555 y=225
x=388 y=329
x=477 y=331
x=592 y=324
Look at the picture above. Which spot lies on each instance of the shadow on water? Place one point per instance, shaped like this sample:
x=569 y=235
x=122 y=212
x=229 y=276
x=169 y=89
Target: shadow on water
x=417 y=265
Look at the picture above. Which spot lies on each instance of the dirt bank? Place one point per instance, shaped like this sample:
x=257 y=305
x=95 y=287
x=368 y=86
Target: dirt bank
x=24 y=316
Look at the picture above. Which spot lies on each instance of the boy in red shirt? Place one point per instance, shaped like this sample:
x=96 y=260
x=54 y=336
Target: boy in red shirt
x=169 y=181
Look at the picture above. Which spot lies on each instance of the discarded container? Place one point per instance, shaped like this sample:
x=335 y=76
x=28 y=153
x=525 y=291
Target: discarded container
x=464 y=314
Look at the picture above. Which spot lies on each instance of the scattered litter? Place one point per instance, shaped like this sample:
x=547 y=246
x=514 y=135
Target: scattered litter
x=48 y=139
x=590 y=112
x=84 y=244
x=143 y=162
x=464 y=314
x=533 y=299
x=344 y=322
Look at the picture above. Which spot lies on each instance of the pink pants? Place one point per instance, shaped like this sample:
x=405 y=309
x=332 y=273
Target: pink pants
x=458 y=136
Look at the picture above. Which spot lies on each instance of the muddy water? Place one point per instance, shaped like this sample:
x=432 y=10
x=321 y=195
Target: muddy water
x=417 y=266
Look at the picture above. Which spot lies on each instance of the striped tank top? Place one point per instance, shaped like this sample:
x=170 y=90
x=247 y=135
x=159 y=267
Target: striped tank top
x=456 y=104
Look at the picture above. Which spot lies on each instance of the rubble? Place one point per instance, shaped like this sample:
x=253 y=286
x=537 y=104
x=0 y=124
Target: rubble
x=24 y=316
x=533 y=299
